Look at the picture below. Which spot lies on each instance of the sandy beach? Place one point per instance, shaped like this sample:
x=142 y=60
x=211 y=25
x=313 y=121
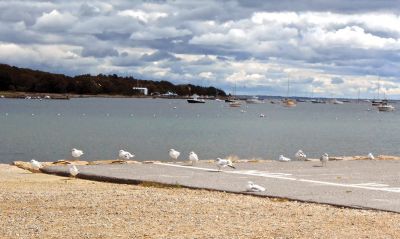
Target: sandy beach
x=35 y=205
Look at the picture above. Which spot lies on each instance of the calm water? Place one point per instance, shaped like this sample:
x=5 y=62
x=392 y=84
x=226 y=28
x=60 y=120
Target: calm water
x=48 y=129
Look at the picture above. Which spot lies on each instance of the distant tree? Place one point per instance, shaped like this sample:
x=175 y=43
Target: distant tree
x=20 y=79
x=5 y=81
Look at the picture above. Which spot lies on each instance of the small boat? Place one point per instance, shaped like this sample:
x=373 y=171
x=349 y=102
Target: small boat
x=235 y=104
x=317 y=101
x=289 y=103
x=376 y=102
x=337 y=102
x=386 y=107
x=229 y=100
x=195 y=100
x=254 y=100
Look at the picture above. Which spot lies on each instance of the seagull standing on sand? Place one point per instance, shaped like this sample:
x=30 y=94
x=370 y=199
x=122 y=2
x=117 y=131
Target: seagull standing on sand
x=324 y=158
x=283 y=159
x=300 y=155
x=36 y=165
x=251 y=187
x=73 y=170
x=371 y=156
x=174 y=154
x=76 y=153
x=222 y=163
x=125 y=155
x=193 y=158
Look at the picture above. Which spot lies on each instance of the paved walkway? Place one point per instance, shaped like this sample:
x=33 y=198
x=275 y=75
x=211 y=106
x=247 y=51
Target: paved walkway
x=359 y=184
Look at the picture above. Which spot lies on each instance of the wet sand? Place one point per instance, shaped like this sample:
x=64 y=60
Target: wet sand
x=35 y=205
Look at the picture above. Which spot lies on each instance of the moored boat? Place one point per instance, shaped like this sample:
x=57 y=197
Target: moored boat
x=254 y=100
x=385 y=107
x=235 y=104
x=289 y=103
x=195 y=99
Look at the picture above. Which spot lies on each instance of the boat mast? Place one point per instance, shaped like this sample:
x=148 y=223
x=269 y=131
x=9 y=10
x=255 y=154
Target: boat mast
x=287 y=91
x=379 y=87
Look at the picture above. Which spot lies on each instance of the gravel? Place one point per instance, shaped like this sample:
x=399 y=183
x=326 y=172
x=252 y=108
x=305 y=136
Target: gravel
x=35 y=205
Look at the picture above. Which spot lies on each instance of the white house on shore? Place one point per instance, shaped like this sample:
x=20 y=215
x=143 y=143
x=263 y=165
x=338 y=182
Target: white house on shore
x=142 y=90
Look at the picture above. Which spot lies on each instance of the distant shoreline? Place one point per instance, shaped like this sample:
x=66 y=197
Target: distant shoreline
x=55 y=96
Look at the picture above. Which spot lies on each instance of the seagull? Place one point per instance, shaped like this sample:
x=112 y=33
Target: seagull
x=262 y=115
x=324 y=158
x=283 y=159
x=36 y=165
x=76 y=153
x=251 y=187
x=122 y=154
x=222 y=163
x=300 y=155
x=371 y=156
x=73 y=170
x=193 y=157
x=174 y=154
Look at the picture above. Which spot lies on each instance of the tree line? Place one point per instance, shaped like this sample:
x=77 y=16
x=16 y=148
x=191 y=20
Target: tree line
x=26 y=80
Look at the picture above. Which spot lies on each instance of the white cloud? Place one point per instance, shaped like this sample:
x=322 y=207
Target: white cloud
x=259 y=45
x=350 y=36
x=207 y=75
x=159 y=33
x=55 y=21
x=143 y=16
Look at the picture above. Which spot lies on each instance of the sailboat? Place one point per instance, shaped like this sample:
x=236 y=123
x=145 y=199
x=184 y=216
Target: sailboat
x=254 y=100
x=377 y=102
x=287 y=102
x=385 y=106
x=234 y=102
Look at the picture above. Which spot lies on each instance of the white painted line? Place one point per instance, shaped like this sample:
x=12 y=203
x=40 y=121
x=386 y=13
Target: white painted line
x=396 y=190
x=173 y=176
x=278 y=176
x=262 y=174
x=189 y=167
x=372 y=184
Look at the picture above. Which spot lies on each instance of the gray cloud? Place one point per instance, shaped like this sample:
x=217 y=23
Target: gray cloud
x=99 y=51
x=337 y=81
x=330 y=45
x=158 y=56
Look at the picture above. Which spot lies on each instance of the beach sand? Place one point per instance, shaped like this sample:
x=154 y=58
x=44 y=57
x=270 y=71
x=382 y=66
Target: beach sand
x=35 y=205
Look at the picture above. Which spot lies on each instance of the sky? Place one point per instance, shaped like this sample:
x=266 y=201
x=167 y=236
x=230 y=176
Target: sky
x=322 y=48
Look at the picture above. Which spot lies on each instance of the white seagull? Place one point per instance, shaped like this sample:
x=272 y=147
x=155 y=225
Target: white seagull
x=36 y=165
x=283 y=159
x=371 y=156
x=76 y=153
x=73 y=170
x=122 y=154
x=193 y=158
x=174 y=154
x=251 y=187
x=324 y=158
x=222 y=163
x=300 y=155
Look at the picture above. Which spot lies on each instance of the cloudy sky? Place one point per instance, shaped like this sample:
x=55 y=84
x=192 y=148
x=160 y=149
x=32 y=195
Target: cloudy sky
x=331 y=48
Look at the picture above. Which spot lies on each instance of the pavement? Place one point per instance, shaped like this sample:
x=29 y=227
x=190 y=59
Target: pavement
x=366 y=184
